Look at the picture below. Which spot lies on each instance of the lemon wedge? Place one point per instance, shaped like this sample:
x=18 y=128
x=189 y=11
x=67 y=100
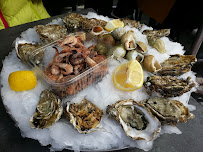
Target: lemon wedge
x=129 y=76
x=113 y=24
x=22 y=80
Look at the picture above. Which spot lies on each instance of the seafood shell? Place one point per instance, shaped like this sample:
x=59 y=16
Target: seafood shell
x=136 y=120
x=128 y=40
x=133 y=54
x=73 y=21
x=141 y=47
x=177 y=65
x=118 y=33
x=168 y=111
x=157 y=33
x=24 y=50
x=151 y=64
x=97 y=30
x=156 y=43
x=118 y=51
x=132 y=23
x=84 y=116
x=49 y=33
x=48 y=111
x=168 y=86
x=88 y=24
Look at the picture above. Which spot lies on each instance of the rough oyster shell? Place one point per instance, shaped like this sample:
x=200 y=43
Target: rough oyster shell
x=137 y=120
x=168 y=86
x=177 y=65
x=24 y=49
x=128 y=40
x=73 y=21
x=132 y=23
x=156 y=43
x=168 y=111
x=48 y=111
x=157 y=33
x=151 y=64
x=49 y=33
x=84 y=116
x=88 y=24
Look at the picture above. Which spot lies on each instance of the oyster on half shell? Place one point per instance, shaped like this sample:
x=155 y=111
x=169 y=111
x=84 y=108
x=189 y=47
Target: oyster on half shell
x=136 y=120
x=177 y=65
x=84 y=116
x=48 y=111
x=24 y=50
x=51 y=32
x=168 y=111
x=168 y=86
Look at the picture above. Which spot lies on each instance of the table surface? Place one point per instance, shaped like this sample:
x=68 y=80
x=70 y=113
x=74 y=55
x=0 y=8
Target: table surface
x=11 y=140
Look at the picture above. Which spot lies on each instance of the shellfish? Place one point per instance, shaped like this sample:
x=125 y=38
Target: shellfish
x=177 y=65
x=151 y=64
x=168 y=86
x=118 y=33
x=84 y=116
x=49 y=33
x=156 y=43
x=128 y=40
x=48 y=111
x=168 y=111
x=136 y=120
x=73 y=21
x=132 y=23
x=133 y=54
x=157 y=33
x=141 y=47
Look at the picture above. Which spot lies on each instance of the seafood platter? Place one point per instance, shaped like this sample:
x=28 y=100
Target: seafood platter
x=114 y=79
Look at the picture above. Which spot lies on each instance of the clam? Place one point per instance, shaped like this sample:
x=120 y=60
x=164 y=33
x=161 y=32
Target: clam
x=156 y=43
x=133 y=54
x=141 y=47
x=24 y=50
x=97 y=30
x=84 y=116
x=168 y=111
x=136 y=120
x=128 y=40
x=118 y=33
x=157 y=33
x=48 y=111
x=49 y=33
x=151 y=64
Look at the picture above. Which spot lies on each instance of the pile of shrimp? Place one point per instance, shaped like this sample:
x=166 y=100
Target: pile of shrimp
x=73 y=60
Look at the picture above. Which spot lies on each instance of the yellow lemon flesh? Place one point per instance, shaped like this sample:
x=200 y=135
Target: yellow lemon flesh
x=129 y=76
x=113 y=24
x=22 y=80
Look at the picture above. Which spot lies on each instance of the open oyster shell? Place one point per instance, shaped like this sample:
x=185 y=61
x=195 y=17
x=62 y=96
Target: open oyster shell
x=132 y=23
x=168 y=111
x=137 y=120
x=24 y=49
x=52 y=32
x=84 y=116
x=73 y=21
x=168 y=86
x=48 y=111
x=157 y=33
x=177 y=65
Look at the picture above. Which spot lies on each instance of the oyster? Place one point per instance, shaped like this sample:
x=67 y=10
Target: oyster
x=128 y=40
x=156 y=43
x=49 y=33
x=73 y=21
x=177 y=65
x=168 y=86
x=168 y=111
x=132 y=23
x=137 y=120
x=24 y=50
x=48 y=111
x=157 y=33
x=88 y=24
x=84 y=116
x=118 y=33
x=151 y=64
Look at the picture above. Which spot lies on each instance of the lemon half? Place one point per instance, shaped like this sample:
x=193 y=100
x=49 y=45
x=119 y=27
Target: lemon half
x=129 y=76
x=22 y=80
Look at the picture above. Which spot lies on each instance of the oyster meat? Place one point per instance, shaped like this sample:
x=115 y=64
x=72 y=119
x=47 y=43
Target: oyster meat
x=73 y=21
x=168 y=111
x=25 y=49
x=157 y=33
x=168 y=86
x=49 y=33
x=177 y=65
x=136 y=120
x=48 y=111
x=84 y=116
